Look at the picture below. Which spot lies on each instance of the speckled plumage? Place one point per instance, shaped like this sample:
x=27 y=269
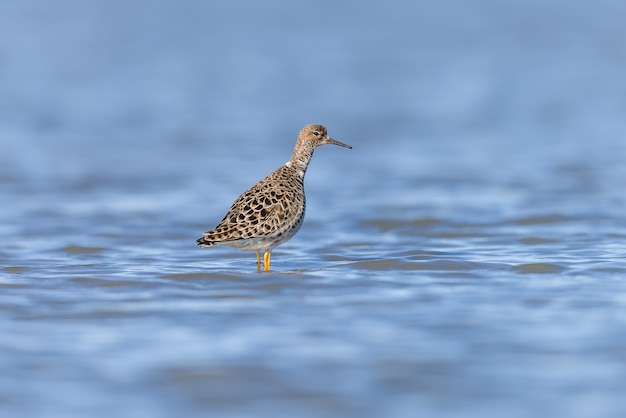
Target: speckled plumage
x=271 y=212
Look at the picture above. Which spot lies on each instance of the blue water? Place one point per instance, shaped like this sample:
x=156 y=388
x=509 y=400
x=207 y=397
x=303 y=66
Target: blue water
x=465 y=259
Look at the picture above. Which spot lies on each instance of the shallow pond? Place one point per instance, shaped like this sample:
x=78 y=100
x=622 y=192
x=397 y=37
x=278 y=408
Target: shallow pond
x=465 y=258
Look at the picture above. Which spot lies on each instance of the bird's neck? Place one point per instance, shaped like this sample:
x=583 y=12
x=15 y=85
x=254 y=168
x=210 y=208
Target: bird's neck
x=301 y=158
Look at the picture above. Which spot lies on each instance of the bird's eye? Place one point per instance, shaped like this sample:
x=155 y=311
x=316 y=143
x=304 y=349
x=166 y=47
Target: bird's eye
x=316 y=133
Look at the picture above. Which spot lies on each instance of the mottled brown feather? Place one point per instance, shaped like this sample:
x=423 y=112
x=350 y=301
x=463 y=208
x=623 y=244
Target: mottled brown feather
x=271 y=212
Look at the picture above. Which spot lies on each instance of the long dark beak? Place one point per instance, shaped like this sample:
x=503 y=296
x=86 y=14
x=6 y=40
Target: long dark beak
x=335 y=142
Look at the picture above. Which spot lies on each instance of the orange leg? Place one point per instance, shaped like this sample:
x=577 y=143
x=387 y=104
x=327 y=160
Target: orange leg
x=258 y=260
x=266 y=260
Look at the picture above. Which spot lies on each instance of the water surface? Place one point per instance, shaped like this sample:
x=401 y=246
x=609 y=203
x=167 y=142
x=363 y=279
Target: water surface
x=466 y=258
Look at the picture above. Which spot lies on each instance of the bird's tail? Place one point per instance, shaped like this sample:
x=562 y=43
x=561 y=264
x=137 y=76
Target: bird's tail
x=205 y=242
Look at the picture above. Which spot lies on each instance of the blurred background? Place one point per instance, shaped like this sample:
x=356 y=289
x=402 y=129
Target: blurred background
x=465 y=257
x=86 y=85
